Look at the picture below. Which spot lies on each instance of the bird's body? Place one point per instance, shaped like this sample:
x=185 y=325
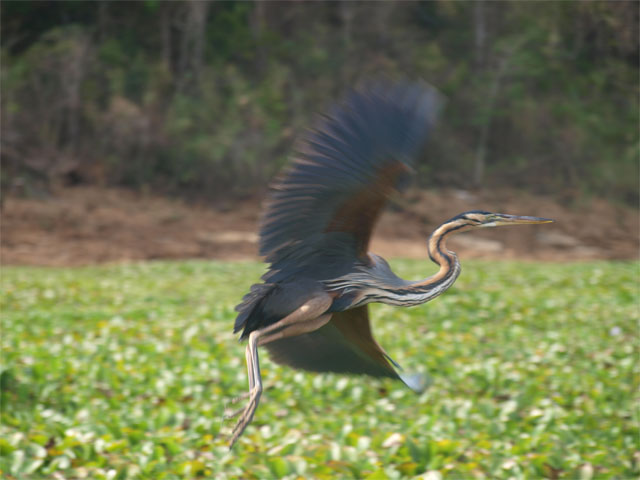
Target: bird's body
x=310 y=311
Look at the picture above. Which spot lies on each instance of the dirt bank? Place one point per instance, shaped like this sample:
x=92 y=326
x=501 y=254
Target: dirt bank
x=83 y=225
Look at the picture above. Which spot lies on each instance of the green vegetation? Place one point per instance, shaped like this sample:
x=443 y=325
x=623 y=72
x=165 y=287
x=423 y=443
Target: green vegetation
x=124 y=372
x=206 y=98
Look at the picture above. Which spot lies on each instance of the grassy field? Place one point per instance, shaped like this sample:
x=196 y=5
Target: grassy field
x=124 y=372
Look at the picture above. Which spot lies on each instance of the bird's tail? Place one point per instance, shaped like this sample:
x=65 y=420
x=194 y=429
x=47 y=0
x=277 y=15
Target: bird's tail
x=251 y=306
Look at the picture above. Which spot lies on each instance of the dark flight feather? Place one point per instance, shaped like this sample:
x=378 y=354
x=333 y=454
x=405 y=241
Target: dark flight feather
x=346 y=168
x=344 y=345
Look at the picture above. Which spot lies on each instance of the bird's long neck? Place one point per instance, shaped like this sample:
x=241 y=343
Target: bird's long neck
x=429 y=288
x=416 y=293
x=377 y=283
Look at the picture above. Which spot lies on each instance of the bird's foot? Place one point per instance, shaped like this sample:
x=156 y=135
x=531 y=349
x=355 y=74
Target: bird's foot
x=247 y=415
x=228 y=412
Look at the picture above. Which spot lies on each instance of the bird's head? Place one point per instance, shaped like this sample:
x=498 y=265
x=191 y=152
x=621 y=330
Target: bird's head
x=479 y=218
x=473 y=219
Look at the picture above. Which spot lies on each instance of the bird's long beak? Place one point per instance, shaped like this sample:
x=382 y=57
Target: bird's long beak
x=502 y=219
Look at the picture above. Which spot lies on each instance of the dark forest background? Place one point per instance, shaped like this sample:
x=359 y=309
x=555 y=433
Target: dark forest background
x=205 y=99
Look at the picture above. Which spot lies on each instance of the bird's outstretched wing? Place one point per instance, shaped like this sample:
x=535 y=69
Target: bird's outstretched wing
x=344 y=345
x=345 y=170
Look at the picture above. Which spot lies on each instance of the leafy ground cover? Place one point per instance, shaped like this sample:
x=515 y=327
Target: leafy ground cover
x=124 y=372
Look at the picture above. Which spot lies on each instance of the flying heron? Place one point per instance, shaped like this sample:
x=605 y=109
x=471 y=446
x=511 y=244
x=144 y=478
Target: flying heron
x=310 y=311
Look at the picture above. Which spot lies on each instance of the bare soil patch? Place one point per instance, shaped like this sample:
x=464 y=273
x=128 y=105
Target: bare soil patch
x=88 y=225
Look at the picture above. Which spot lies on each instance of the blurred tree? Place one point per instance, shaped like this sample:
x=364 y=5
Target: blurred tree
x=206 y=98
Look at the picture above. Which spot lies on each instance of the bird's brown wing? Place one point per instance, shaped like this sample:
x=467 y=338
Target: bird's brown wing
x=344 y=345
x=331 y=195
x=358 y=215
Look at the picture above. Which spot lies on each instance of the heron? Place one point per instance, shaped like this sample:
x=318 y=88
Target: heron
x=310 y=310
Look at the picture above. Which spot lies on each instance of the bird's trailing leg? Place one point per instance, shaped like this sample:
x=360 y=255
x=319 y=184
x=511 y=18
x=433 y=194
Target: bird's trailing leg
x=252 y=367
x=307 y=318
x=251 y=376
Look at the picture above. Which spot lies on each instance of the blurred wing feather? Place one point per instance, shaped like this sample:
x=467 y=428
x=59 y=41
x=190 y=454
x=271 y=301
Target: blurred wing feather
x=346 y=169
x=344 y=345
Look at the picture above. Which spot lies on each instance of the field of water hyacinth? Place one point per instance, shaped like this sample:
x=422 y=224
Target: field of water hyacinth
x=124 y=372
